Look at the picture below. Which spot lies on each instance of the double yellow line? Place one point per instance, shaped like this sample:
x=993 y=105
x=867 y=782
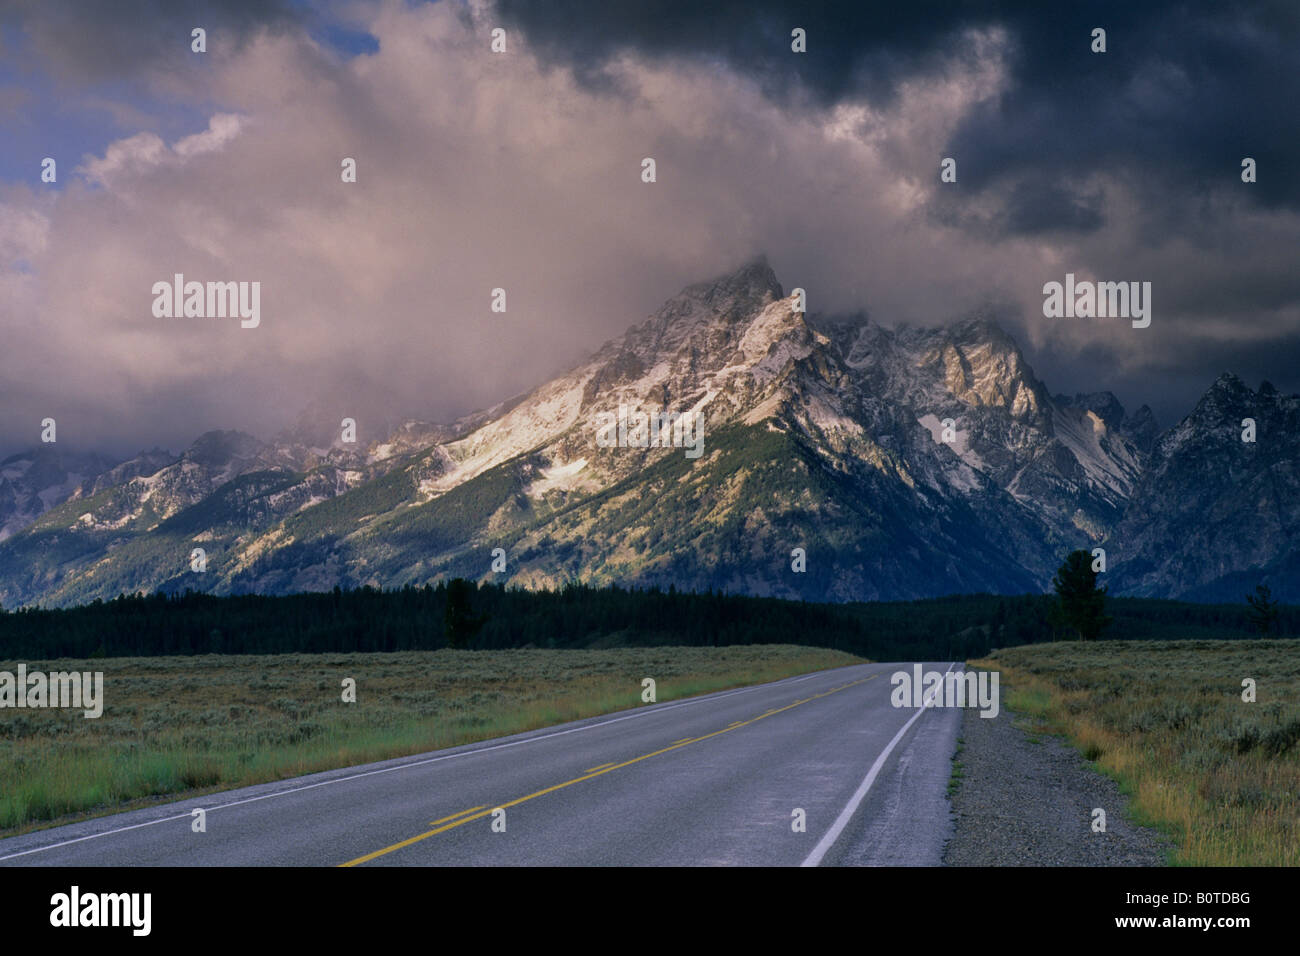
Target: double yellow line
x=477 y=813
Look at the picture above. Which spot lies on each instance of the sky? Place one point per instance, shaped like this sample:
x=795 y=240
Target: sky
x=521 y=170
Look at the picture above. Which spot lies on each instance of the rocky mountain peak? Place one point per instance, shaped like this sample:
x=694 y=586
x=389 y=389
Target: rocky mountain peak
x=217 y=449
x=981 y=365
x=1102 y=404
x=982 y=329
x=754 y=280
x=730 y=297
x=1142 y=429
x=1223 y=404
x=1229 y=387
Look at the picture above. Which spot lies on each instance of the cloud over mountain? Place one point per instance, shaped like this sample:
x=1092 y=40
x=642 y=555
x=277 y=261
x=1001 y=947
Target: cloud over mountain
x=521 y=171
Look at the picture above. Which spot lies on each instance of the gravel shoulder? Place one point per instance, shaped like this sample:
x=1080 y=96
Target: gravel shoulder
x=1026 y=798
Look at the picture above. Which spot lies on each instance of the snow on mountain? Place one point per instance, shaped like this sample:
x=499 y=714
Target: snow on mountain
x=1214 y=514
x=906 y=463
x=33 y=482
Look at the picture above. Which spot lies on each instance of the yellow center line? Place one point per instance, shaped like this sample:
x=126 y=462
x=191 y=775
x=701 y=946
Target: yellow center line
x=684 y=740
x=454 y=816
x=599 y=767
x=460 y=819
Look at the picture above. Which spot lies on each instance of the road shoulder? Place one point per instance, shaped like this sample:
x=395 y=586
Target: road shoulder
x=1023 y=797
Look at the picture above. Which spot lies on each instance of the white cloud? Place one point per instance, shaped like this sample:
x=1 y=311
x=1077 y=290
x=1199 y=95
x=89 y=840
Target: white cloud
x=222 y=128
x=125 y=156
x=137 y=154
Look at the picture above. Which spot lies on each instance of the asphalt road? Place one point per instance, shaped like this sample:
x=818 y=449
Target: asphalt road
x=712 y=780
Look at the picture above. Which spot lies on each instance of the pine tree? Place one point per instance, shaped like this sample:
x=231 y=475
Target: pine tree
x=461 y=625
x=1080 y=603
x=1263 y=609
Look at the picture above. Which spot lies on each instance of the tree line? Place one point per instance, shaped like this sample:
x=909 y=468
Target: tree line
x=486 y=616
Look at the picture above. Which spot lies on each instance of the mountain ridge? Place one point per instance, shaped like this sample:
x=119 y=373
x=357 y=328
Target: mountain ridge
x=940 y=463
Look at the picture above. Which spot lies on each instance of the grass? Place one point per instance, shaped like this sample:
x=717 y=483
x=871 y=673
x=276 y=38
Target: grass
x=178 y=726
x=958 y=768
x=1167 y=721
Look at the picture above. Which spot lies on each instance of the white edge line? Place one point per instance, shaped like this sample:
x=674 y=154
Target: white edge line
x=418 y=763
x=833 y=834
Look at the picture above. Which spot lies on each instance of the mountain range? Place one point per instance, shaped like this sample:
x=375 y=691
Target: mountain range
x=842 y=460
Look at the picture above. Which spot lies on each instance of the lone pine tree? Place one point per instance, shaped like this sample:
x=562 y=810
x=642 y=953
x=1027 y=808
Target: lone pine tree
x=1263 y=609
x=1080 y=603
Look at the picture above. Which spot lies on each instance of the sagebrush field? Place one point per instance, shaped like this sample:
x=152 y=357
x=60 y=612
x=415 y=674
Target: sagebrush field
x=1167 y=720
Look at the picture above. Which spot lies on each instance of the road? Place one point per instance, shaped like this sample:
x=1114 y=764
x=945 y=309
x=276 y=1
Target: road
x=713 y=780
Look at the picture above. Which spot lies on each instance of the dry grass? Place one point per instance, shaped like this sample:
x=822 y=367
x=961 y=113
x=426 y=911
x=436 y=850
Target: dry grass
x=177 y=726
x=1166 y=719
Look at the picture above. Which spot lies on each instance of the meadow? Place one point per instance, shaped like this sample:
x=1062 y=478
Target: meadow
x=1167 y=720
x=179 y=726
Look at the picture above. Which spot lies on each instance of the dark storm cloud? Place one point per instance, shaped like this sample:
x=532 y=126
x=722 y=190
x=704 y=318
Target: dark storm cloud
x=1028 y=207
x=853 y=47
x=480 y=171
x=1118 y=164
x=1183 y=93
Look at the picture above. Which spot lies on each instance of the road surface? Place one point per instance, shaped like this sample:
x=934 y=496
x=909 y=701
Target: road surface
x=713 y=780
